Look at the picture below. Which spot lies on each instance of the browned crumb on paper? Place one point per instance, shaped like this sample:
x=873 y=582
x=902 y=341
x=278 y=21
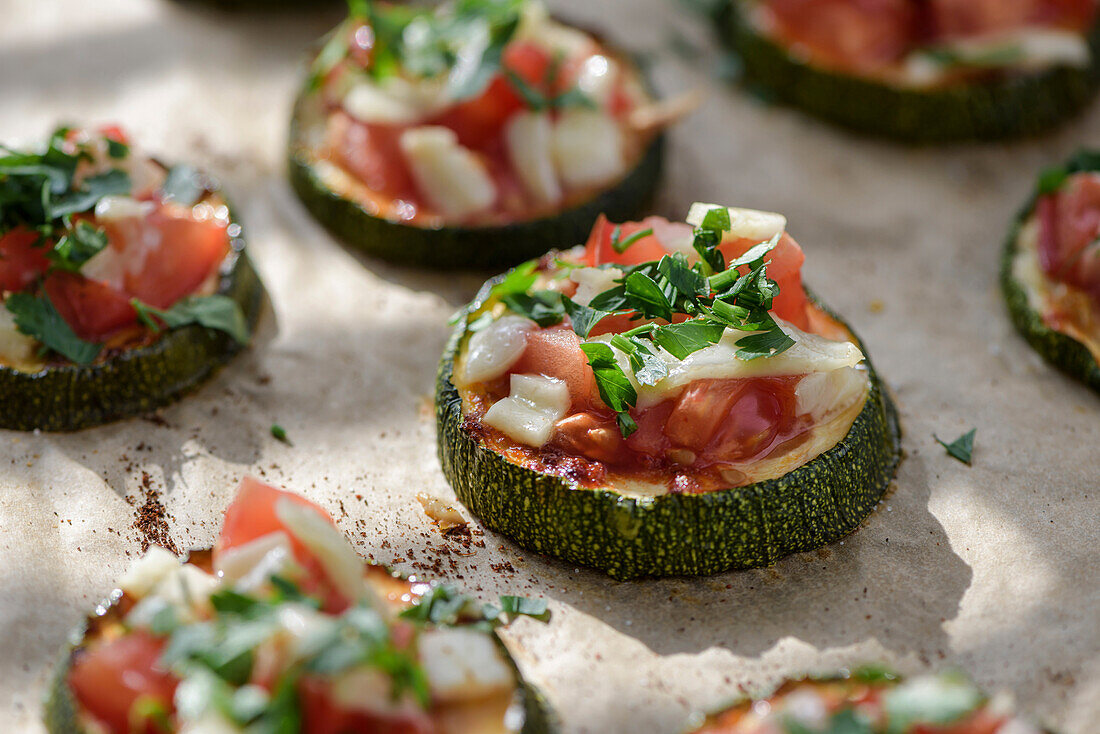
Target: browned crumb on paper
x=151 y=519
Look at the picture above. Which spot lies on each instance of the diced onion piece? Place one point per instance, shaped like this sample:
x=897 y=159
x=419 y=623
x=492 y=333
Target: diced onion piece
x=494 y=349
x=529 y=138
x=463 y=664
x=597 y=77
x=148 y=571
x=822 y=393
x=113 y=208
x=593 y=281
x=16 y=348
x=450 y=177
x=588 y=148
x=367 y=102
x=749 y=224
x=530 y=411
x=342 y=564
x=107 y=266
x=250 y=566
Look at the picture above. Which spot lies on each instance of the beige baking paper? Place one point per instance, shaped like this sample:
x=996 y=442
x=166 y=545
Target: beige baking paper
x=993 y=568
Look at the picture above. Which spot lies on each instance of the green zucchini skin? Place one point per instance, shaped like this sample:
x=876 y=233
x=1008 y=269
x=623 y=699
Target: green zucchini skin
x=465 y=248
x=1013 y=106
x=1060 y=350
x=60 y=716
x=71 y=397
x=674 y=534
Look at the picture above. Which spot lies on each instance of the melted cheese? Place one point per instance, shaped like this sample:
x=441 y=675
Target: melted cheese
x=810 y=353
x=463 y=663
x=531 y=409
x=451 y=177
x=250 y=566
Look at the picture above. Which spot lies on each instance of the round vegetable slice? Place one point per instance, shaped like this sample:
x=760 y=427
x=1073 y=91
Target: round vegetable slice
x=1004 y=106
x=669 y=534
x=1059 y=349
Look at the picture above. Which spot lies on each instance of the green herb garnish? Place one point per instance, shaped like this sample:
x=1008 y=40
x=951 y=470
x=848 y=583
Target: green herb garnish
x=217 y=312
x=36 y=317
x=280 y=434
x=962 y=448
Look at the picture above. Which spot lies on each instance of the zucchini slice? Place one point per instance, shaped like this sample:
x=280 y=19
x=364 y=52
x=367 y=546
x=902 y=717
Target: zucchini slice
x=326 y=190
x=1061 y=350
x=135 y=380
x=871 y=699
x=1007 y=106
x=670 y=534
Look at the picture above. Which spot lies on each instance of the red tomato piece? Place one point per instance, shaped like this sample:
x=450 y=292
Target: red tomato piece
x=963 y=18
x=321 y=715
x=556 y=352
x=1069 y=231
x=372 y=154
x=107 y=679
x=168 y=254
x=1071 y=14
x=93 y=309
x=599 y=249
x=861 y=35
x=21 y=262
x=252 y=515
x=785 y=268
x=115 y=133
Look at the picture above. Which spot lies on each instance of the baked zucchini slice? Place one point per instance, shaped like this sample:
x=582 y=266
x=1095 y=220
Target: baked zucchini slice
x=986 y=103
x=125 y=290
x=1059 y=316
x=416 y=171
x=673 y=456
x=871 y=700
x=267 y=643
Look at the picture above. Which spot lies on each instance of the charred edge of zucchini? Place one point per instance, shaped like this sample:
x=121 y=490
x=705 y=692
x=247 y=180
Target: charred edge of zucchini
x=1060 y=350
x=71 y=397
x=60 y=709
x=1016 y=105
x=458 y=247
x=673 y=534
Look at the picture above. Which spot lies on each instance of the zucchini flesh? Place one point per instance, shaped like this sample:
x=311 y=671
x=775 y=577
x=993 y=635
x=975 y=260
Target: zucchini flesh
x=1060 y=350
x=1009 y=106
x=671 y=534
x=70 y=397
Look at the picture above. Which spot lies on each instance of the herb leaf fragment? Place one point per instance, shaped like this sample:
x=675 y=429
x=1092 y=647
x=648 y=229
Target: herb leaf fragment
x=962 y=448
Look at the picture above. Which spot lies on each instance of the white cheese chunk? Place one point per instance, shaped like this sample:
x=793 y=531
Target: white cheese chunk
x=820 y=394
x=529 y=136
x=593 y=281
x=597 y=78
x=744 y=223
x=16 y=348
x=148 y=571
x=534 y=404
x=342 y=564
x=462 y=664
x=186 y=589
x=588 y=148
x=494 y=349
x=450 y=177
x=810 y=353
x=395 y=101
x=249 y=567
x=113 y=208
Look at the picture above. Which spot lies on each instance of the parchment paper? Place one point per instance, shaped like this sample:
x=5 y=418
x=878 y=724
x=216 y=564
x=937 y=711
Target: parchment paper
x=993 y=568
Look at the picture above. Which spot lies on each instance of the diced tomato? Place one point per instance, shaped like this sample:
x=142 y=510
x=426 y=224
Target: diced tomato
x=479 y=120
x=1071 y=14
x=21 y=262
x=785 y=268
x=732 y=420
x=556 y=352
x=252 y=515
x=861 y=35
x=1069 y=230
x=599 y=249
x=115 y=133
x=108 y=678
x=321 y=715
x=372 y=154
x=93 y=309
x=168 y=254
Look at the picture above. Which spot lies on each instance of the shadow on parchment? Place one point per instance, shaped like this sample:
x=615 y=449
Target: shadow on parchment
x=895 y=579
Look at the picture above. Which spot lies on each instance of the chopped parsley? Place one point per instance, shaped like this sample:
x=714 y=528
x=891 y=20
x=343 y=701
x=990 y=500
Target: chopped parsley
x=697 y=303
x=962 y=448
x=279 y=433
x=217 y=312
x=36 y=317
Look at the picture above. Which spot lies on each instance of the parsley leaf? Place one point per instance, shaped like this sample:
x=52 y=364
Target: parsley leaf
x=621 y=246
x=543 y=307
x=583 y=318
x=962 y=448
x=765 y=344
x=615 y=389
x=184 y=185
x=217 y=312
x=78 y=246
x=647 y=296
x=537 y=608
x=111 y=183
x=279 y=433
x=1052 y=179
x=36 y=316
x=681 y=340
